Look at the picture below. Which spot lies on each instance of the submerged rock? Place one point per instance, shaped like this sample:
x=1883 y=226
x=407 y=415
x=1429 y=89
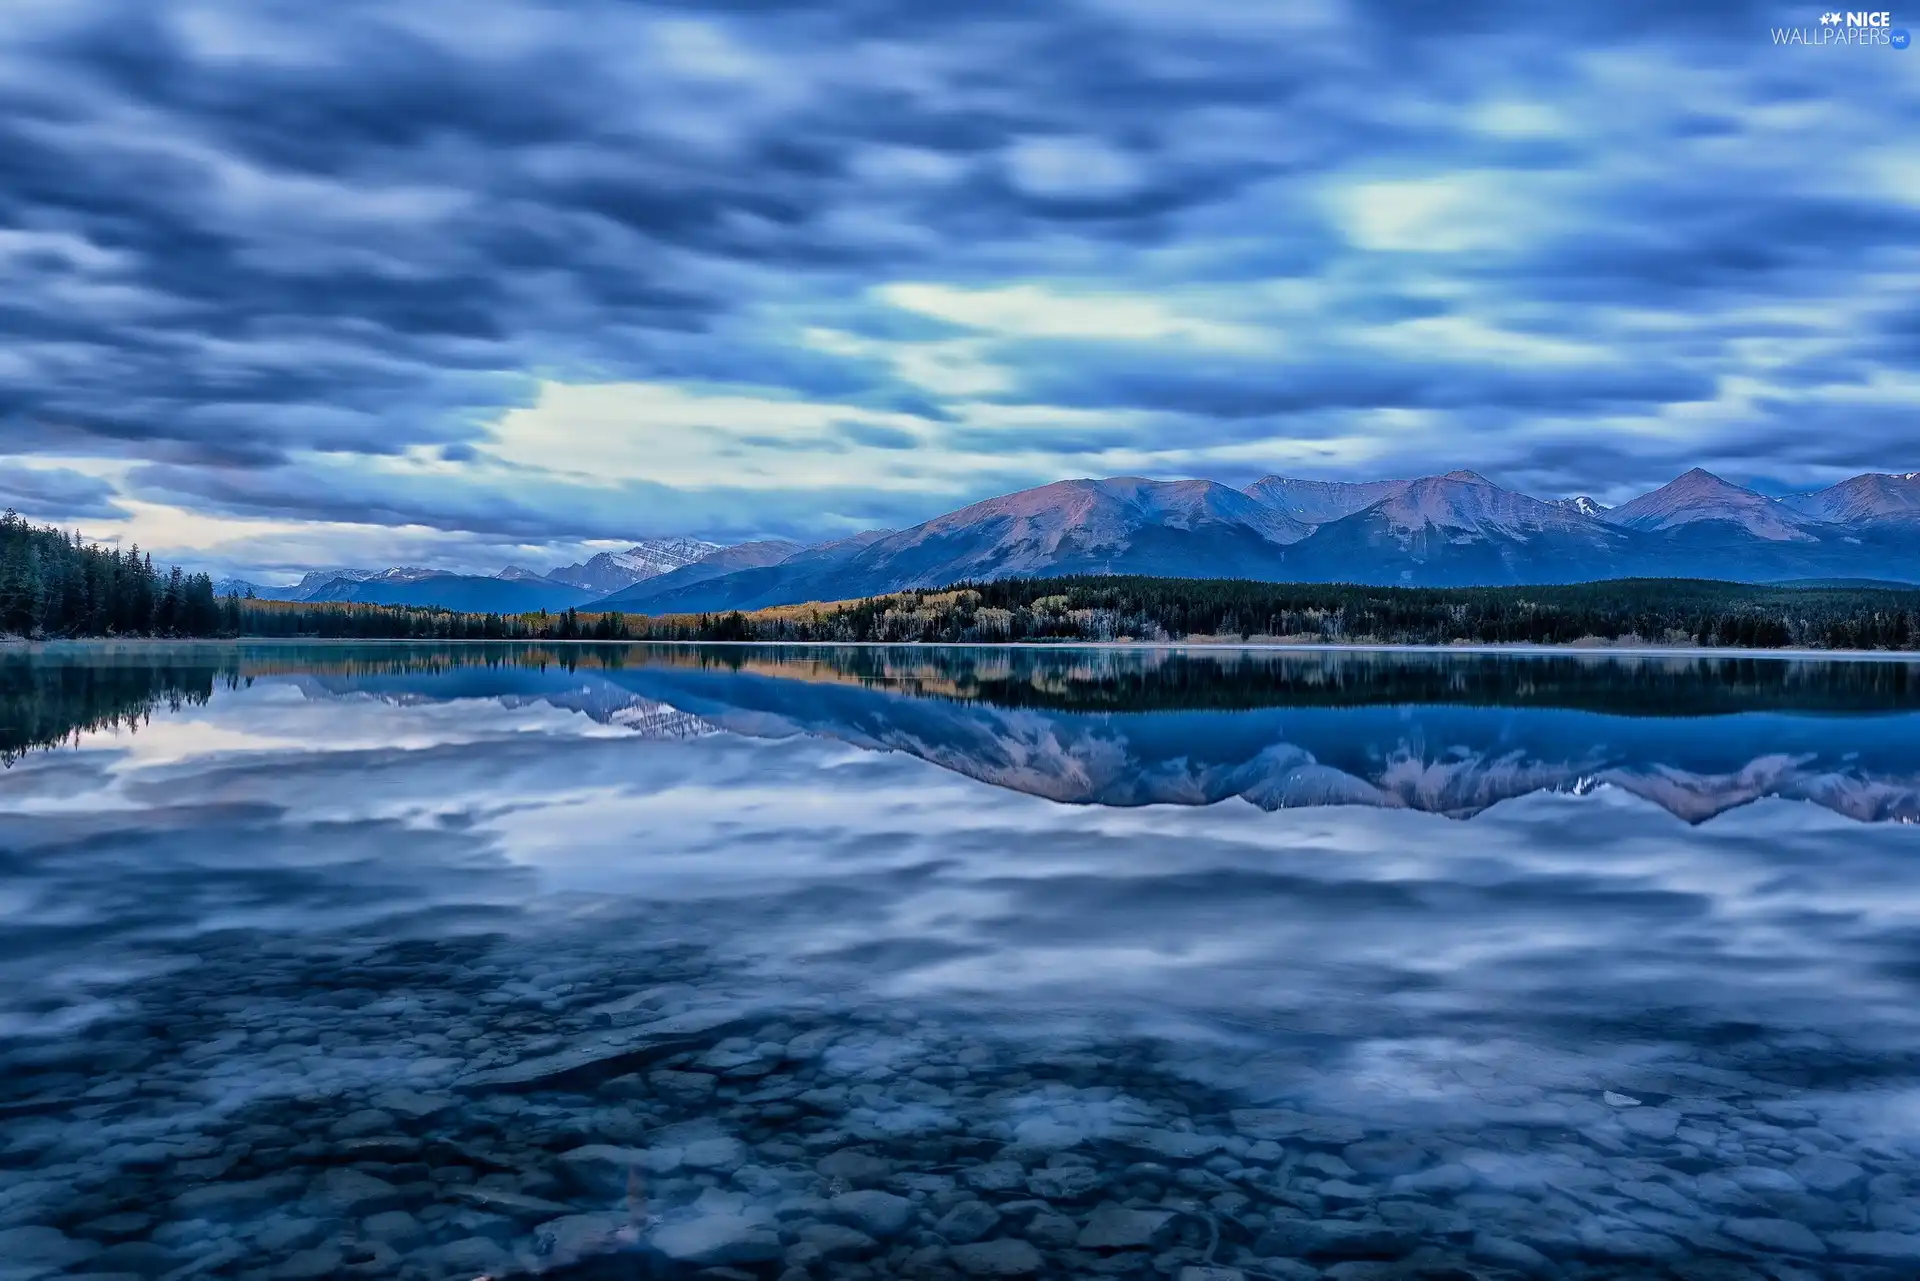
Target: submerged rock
x=1280 y=1124
x=1006 y=1257
x=350 y=1194
x=38 y=1249
x=471 y=1255
x=1067 y=1183
x=230 y=1199
x=321 y=1261
x=602 y=1056
x=717 y=1238
x=1829 y=1175
x=855 y=1166
x=994 y=1176
x=836 y=1241
x=513 y=1205
x=967 y=1222
x=1650 y=1123
x=1333 y=1238
x=879 y=1214
x=606 y=1170
x=1114 y=1227
x=1053 y=1230
x=574 y=1237
x=1885 y=1247
x=1775 y=1234
x=1385 y=1158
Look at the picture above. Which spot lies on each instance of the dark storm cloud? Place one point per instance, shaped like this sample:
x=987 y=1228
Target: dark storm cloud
x=1068 y=441
x=1230 y=389
x=879 y=436
x=1625 y=18
x=55 y=493
x=336 y=254
x=232 y=235
x=1694 y=249
x=517 y=507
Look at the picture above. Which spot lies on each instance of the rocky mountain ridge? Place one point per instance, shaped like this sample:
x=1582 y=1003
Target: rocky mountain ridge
x=1455 y=529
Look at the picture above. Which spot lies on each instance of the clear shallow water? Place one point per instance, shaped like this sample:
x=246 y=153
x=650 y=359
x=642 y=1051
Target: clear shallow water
x=405 y=961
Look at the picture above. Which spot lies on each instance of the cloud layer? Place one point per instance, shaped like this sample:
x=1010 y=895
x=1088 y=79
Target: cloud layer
x=484 y=280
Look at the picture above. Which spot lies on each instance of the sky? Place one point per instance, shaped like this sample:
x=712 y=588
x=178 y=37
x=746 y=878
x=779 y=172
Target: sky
x=471 y=282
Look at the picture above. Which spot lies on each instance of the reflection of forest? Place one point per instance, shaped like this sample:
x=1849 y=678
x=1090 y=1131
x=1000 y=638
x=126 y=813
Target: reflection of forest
x=45 y=696
x=1166 y=680
x=47 y=704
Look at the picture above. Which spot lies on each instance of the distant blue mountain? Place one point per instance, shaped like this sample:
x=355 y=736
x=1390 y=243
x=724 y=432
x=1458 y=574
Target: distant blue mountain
x=514 y=589
x=471 y=593
x=519 y=590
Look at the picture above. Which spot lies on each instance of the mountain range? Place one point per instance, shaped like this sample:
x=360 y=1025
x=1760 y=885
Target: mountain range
x=511 y=592
x=1456 y=529
x=517 y=589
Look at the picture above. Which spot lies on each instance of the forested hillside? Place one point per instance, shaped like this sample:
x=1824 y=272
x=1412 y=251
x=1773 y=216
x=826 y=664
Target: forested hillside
x=354 y=621
x=1655 y=611
x=1107 y=608
x=52 y=585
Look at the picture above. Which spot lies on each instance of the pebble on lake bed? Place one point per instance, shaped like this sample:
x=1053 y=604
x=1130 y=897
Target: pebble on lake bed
x=549 y=1134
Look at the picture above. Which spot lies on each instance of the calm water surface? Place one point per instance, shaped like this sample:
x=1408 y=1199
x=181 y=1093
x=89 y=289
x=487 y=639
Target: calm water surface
x=405 y=961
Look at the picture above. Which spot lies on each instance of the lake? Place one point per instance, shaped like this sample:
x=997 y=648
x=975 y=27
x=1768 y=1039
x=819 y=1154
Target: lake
x=781 y=962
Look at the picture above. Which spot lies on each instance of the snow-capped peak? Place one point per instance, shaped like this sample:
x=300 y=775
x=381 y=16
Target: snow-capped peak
x=648 y=558
x=315 y=578
x=406 y=574
x=662 y=555
x=1582 y=504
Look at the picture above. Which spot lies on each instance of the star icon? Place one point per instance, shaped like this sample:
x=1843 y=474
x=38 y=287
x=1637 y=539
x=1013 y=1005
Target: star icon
x=1829 y=19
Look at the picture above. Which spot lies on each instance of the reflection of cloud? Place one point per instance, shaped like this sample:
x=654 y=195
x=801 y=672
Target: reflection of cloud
x=1358 y=942
x=135 y=876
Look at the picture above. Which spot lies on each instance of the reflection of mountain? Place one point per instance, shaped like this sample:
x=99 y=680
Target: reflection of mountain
x=1083 y=679
x=1452 y=760
x=596 y=697
x=1447 y=757
x=1442 y=733
x=657 y=720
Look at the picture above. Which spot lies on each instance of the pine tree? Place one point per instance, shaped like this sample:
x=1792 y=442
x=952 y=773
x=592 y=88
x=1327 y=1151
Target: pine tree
x=54 y=584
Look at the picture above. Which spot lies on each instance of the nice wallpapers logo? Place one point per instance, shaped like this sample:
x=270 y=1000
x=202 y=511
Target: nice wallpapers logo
x=1849 y=29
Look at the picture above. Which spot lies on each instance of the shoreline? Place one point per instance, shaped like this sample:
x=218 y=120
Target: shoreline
x=12 y=644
